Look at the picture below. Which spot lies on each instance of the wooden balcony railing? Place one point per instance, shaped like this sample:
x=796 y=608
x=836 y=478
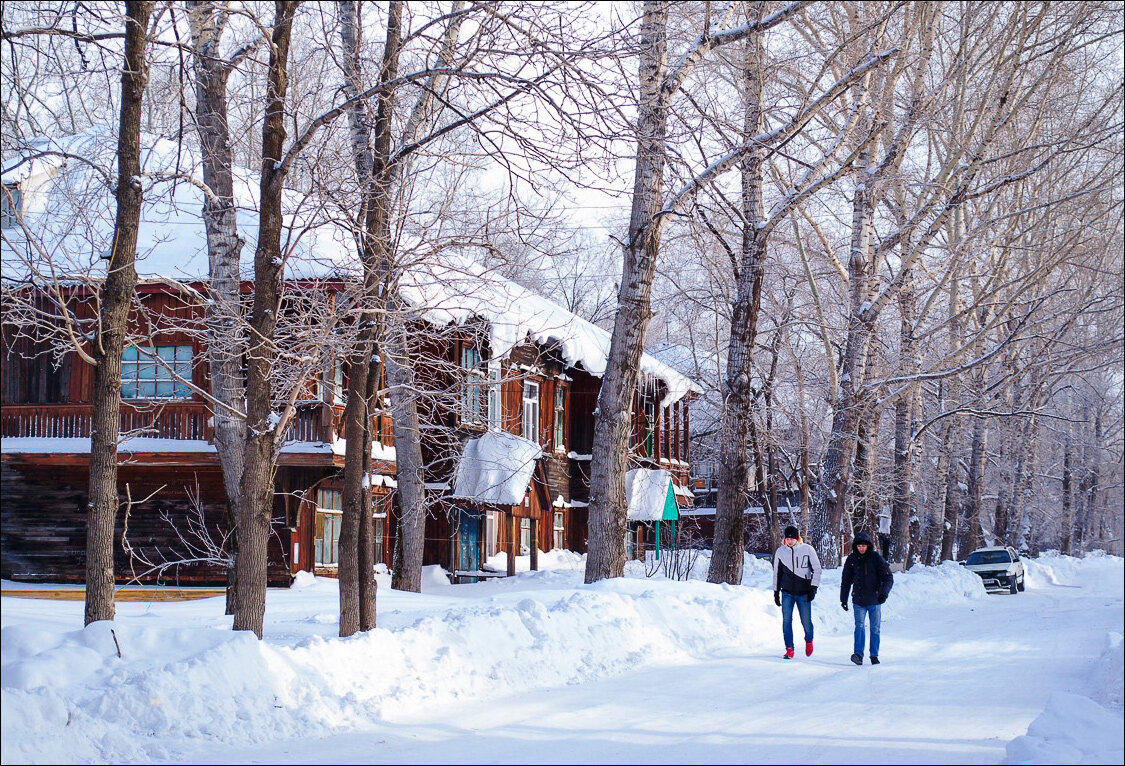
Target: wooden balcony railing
x=151 y=419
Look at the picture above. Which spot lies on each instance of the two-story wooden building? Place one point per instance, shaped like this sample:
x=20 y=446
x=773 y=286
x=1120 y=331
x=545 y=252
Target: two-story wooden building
x=511 y=382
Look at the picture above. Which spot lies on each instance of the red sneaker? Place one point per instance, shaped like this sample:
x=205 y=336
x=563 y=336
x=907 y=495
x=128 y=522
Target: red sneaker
x=808 y=648
x=788 y=652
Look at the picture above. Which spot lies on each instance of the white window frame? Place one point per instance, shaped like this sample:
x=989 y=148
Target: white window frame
x=531 y=410
x=495 y=397
x=559 y=530
x=525 y=537
x=558 y=430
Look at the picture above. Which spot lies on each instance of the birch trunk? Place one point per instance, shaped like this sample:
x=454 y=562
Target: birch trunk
x=829 y=502
x=1066 y=545
x=409 y=544
x=734 y=469
x=226 y=341
x=971 y=525
x=903 y=504
x=606 y=557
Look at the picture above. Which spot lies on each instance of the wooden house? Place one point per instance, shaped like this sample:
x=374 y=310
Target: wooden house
x=516 y=380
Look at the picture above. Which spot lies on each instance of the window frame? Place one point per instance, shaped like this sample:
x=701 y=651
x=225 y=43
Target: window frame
x=525 y=532
x=11 y=206
x=172 y=373
x=532 y=403
x=495 y=417
x=558 y=530
x=328 y=515
x=558 y=431
x=473 y=388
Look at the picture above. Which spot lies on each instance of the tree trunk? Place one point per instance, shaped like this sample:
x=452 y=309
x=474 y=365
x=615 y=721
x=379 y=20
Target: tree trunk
x=974 y=497
x=1066 y=538
x=226 y=340
x=903 y=504
x=606 y=557
x=116 y=298
x=357 y=590
x=262 y=435
x=408 y=452
x=953 y=493
x=866 y=498
x=734 y=469
x=936 y=518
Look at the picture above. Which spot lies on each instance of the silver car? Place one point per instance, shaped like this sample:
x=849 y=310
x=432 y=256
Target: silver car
x=999 y=566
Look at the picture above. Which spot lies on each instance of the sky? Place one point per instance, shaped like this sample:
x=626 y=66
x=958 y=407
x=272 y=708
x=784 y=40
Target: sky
x=540 y=668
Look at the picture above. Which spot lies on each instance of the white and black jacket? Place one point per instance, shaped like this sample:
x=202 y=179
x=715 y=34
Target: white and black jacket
x=796 y=569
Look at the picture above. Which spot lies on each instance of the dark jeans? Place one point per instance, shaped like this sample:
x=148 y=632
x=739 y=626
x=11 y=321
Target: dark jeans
x=874 y=614
x=804 y=607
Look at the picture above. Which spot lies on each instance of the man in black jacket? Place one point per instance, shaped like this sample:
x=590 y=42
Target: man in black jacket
x=868 y=577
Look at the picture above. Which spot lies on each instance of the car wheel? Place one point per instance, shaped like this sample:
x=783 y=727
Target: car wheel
x=1021 y=585
x=1012 y=587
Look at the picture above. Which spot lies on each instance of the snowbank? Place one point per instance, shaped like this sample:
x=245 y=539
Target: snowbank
x=1096 y=569
x=1072 y=729
x=182 y=677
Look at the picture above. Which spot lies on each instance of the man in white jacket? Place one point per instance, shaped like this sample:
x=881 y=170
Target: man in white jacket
x=796 y=576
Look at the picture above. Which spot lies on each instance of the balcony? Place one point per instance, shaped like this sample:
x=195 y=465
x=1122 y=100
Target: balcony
x=313 y=422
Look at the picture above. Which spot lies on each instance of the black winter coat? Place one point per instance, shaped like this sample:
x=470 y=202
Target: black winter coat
x=868 y=577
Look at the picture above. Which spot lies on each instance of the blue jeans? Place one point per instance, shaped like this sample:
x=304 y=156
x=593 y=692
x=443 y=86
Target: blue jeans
x=874 y=614
x=804 y=608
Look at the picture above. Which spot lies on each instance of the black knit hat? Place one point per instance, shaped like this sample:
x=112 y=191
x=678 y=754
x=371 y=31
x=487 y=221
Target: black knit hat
x=792 y=532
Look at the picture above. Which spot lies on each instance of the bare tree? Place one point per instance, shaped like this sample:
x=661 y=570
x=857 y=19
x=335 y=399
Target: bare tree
x=658 y=84
x=116 y=298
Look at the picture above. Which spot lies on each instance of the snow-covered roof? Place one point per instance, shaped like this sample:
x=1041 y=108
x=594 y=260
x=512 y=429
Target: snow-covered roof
x=69 y=209
x=649 y=495
x=496 y=468
x=456 y=289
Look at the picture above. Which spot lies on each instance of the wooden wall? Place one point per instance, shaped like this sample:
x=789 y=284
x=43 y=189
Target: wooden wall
x=43 y=523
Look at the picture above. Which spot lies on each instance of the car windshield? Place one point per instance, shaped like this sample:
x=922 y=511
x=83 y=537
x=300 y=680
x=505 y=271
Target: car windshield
x=988 y=557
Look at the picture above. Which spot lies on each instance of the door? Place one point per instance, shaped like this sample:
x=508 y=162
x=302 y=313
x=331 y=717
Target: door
x=468 y=545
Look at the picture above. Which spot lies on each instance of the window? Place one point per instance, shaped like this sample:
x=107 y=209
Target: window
x=495 y=392
x=11 y=206
x=525 y=536
x=665 y=434
x=560 y=418
x=650 y=426
x=988 y=557
x=334 y=384
x=559 y=531
x=472 y=399
x=531 y=411
x=144 y=376
x=381 y=503
x=329 y=515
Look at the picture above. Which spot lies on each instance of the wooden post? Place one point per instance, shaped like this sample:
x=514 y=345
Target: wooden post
x=534 y=544
x=513 y=542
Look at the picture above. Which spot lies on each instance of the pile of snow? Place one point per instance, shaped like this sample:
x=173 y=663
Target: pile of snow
x=1096 y=569
x=165 y=677
x=1072 y=729
x=1110 y=672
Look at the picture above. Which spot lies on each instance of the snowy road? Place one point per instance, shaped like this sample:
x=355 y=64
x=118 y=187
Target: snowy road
x=957 y=683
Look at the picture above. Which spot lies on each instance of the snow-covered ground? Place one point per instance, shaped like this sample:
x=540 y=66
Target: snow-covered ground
x=543 y=669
